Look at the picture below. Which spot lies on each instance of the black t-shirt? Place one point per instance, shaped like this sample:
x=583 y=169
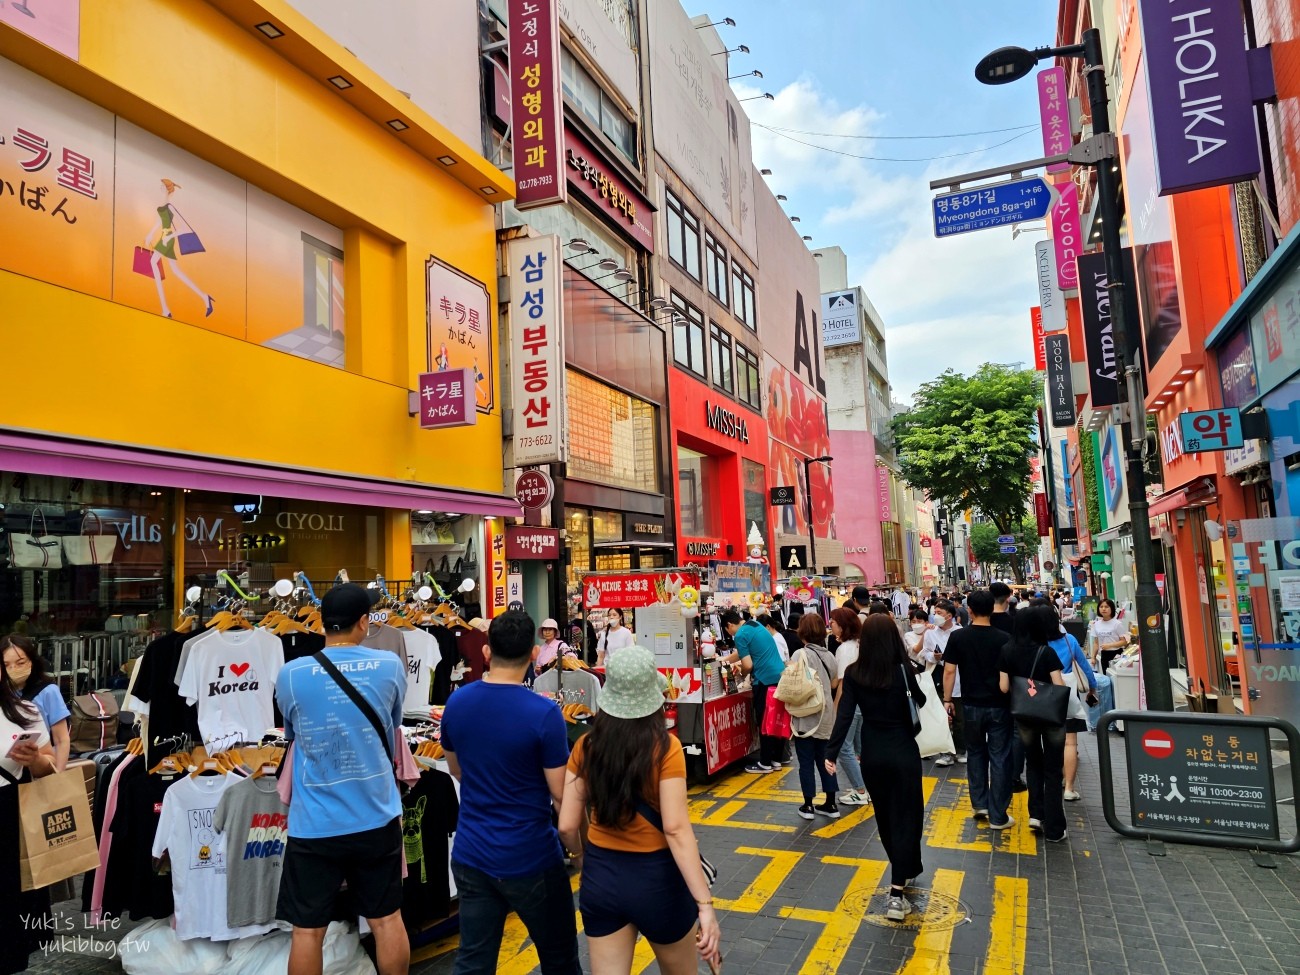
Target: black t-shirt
x=977 y=653
x=1016 y=660
x=430 y=812
x=1003 y=622
x=155 y=684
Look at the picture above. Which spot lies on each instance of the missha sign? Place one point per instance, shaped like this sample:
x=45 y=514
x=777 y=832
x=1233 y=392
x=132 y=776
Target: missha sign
x=1199 y=76
x=726 y=422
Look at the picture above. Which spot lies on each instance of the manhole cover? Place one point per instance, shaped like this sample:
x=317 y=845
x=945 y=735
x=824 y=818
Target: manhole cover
x=931 y=910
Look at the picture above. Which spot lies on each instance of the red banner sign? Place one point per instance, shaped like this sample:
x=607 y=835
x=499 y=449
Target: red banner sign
x=1040 y=357
x=604 y=187
x=636 y=590
x=728 y=729
x=1040 y=513
x=536 y=110
x=523 y=542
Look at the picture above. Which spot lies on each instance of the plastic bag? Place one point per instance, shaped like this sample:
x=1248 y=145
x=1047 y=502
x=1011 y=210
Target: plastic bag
x=154 y=949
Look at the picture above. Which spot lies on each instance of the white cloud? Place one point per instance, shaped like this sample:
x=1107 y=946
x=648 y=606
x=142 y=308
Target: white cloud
x=951 y=303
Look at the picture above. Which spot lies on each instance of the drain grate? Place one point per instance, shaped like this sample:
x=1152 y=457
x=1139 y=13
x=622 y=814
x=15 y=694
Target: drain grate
x=932 y=910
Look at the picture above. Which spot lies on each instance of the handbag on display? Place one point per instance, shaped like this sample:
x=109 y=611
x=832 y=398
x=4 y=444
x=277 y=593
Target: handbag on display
x=911 y=703
x=94 y=721
x=1039 y=703
x=33 y=551
x=142 y=263
x=90 y=549
x=469 y=564
x=56 y=835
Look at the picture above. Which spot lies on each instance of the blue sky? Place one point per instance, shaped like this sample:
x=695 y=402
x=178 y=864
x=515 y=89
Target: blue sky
x=891 y=68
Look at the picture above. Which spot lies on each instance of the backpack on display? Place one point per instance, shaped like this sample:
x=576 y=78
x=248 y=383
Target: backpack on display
x=94 y=722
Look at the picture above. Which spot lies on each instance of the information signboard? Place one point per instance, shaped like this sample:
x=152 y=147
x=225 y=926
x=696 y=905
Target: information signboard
x=1210 y=777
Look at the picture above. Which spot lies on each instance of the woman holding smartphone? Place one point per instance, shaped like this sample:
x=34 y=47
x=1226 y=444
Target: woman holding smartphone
x=25 y=754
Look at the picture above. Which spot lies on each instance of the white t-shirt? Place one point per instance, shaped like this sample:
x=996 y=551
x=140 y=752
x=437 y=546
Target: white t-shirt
x=611 y=639
x=1108 y=631
x=9 y=733
x=421 y=657
x=936 y=642
x=231 y=676
x=782 y=647
x=198 y=858
x=845 y=654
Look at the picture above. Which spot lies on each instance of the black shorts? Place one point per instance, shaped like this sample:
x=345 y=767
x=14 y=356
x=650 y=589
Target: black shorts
x=315 y=870
x=659 y=904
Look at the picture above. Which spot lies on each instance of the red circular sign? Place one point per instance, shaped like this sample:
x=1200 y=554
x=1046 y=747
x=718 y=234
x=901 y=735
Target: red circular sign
x=1157 y=743
x=534 y=489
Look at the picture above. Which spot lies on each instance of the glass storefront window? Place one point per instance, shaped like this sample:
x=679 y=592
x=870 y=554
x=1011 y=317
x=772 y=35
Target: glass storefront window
x=578 y=524
x=606 y=526
x=611 y=436
x=756 y=500
x=695 y=480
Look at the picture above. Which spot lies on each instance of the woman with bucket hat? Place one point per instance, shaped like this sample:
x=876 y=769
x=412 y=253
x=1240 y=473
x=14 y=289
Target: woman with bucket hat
x=630 y=774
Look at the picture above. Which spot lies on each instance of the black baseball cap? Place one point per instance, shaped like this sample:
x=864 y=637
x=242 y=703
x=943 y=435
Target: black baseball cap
x=342 y=606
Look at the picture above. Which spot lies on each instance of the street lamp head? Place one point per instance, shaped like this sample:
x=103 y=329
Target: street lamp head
x=1005 y=65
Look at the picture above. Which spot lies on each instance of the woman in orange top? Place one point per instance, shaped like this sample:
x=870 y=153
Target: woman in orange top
x=631 y=775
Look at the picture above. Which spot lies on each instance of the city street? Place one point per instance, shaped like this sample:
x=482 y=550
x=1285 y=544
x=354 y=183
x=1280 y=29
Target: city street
x=805 y=897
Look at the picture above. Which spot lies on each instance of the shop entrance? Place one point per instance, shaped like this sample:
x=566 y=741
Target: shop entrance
x=625 y=556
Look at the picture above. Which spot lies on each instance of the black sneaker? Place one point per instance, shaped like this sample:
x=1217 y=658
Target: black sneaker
x=758 y=768
x=806 y=811
x=1019 y=786
x=827 y=809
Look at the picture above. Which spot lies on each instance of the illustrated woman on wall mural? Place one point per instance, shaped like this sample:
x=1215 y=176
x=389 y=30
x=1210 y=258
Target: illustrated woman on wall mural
x=171 y=237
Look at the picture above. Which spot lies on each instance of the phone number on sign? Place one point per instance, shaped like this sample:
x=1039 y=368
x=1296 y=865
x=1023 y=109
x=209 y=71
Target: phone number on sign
x=536 y=181
x=539 y=441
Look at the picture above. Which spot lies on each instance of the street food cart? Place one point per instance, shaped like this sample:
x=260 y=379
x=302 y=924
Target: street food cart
x=711 y=717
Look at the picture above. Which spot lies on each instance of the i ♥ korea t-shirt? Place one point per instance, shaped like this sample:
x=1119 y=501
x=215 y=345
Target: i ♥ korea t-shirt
x=231 y=677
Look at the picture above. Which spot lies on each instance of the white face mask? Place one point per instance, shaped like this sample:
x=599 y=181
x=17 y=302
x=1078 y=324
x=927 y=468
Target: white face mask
x=918 y=627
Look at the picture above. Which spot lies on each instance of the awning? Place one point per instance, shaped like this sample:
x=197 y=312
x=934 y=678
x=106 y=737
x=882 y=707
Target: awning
x=29 y=454
x=1166 y=503
x=1110 y=534
x=1199 y=492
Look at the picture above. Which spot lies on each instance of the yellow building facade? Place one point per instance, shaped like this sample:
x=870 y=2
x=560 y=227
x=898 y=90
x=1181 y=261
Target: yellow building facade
x=228 y=251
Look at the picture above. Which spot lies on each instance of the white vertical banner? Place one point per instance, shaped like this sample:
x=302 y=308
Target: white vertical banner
x=1050 y=297
x=537 y=351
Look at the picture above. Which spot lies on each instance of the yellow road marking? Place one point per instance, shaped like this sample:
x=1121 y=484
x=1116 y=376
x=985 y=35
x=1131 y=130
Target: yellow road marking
x=768 y=787
x=730 y=787
x=862 y=813
x=1008 y=928
x=701 y=816
x=946 y=827
x=933 y=945
x=769 y=880
x=840 y=925
x=518 y=956
x=642 y=956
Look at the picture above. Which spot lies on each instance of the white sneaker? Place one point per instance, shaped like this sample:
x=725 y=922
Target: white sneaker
x=1072 y=796
x=943 y=761
x=852 y=798
x=1007 y=825
x=1036 y=824
x=961 y=759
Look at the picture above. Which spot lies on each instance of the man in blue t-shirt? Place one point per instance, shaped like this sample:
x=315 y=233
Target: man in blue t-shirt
x=508 y=747
x=345 y=821
x=758 y=655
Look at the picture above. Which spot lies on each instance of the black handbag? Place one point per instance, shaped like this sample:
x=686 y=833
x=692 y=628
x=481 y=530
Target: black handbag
x=911 y=703
x=469 y=564
x=1039 y=703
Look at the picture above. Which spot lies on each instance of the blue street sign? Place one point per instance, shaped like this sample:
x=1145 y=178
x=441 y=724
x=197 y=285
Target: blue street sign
x=991 y=206
x=1008 y=549
x=1006 y=539
x=1211 y=430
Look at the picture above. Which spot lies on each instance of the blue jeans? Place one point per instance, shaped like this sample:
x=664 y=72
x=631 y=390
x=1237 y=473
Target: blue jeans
x=848 y=758
x=543 y=901
x=988 y=759
x=812 y=762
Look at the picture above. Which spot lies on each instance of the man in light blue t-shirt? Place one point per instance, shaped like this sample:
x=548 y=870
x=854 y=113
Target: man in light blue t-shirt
x=509 y=748
x=345 y=821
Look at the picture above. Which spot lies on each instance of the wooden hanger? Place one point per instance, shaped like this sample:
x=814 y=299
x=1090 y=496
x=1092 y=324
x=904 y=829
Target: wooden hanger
x=208 y=766
x=399 y=622
x=135 y=747
x=171 y=764
x=186 y=623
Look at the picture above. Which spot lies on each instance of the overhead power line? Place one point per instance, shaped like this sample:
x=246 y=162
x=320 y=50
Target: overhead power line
x=854 y=155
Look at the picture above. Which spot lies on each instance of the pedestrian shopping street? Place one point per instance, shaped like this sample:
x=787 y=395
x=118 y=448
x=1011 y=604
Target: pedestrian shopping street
x=807 y=897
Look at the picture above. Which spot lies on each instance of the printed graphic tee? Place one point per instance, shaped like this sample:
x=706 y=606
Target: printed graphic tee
x=256 y=824
x=342 y=780
x=231 y=677
x=187 y=833
x=421 y=657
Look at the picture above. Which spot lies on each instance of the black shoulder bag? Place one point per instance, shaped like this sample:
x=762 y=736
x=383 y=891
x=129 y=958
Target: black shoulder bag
x=1039 y=703
x=648 y=813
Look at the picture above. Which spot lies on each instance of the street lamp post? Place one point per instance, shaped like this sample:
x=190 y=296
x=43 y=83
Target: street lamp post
x=1010 y=64
x=807 y=490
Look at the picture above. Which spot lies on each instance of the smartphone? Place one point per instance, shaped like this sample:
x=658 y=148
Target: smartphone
x=715 y=965
x=23 y=738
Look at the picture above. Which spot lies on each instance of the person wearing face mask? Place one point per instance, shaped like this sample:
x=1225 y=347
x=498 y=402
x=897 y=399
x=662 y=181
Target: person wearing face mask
x=615 y=636
x=24 y=671
x=914 y=636
x=933 y=645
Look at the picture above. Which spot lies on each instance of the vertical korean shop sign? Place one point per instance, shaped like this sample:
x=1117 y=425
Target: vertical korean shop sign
x=537 y=111
x=537 y=351
x=1060 y=385
x=1195 y=57
x=1054 y=111
x=458 y=323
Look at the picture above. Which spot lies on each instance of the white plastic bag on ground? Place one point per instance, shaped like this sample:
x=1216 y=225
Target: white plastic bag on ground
x=269 y=954
x=154 y=949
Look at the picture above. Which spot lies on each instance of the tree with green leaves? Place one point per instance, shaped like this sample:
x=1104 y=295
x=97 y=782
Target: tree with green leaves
x=986 y=548
x=967 y=441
